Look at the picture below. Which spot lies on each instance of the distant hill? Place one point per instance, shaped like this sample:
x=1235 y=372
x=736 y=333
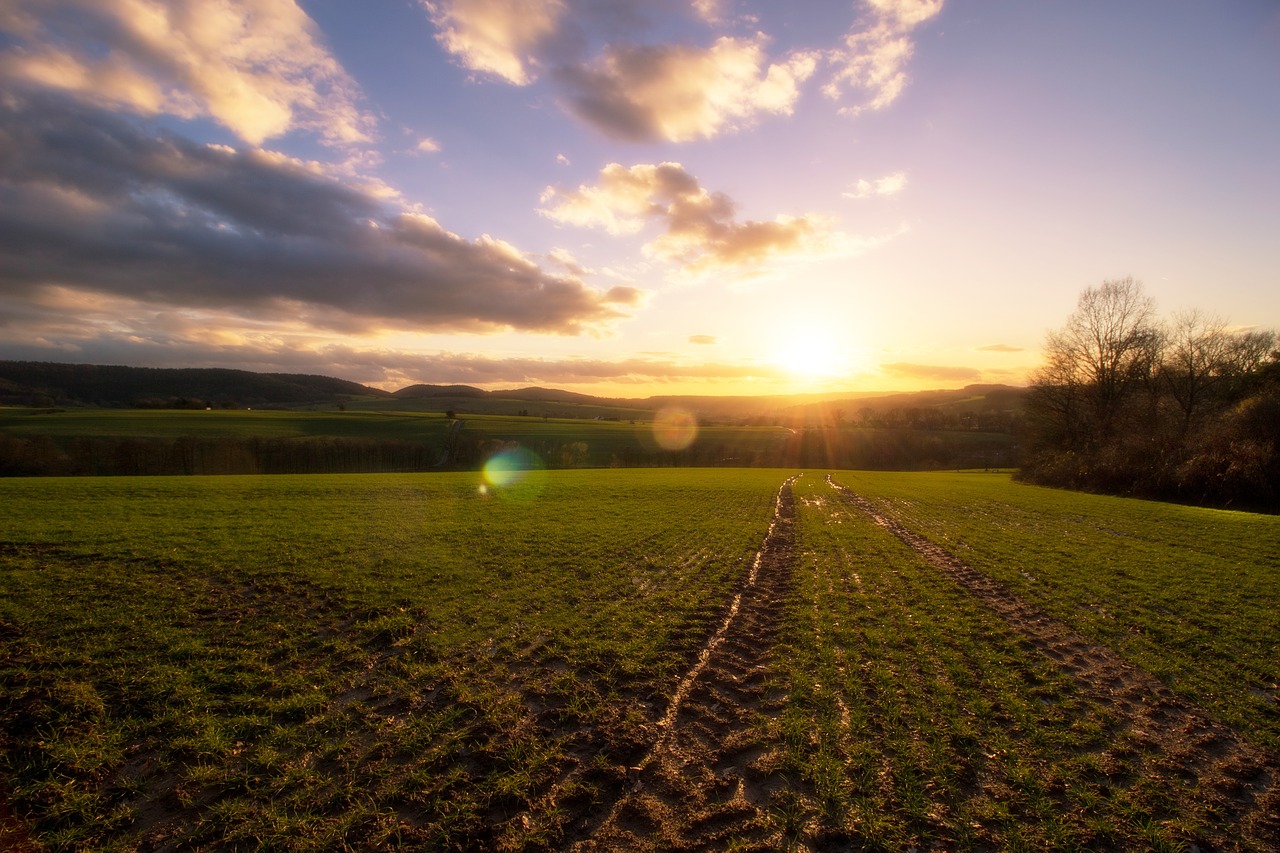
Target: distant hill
x=972 y=407
x=548 y=395
x=425 y=392
x=49 y=383
x=545 y=395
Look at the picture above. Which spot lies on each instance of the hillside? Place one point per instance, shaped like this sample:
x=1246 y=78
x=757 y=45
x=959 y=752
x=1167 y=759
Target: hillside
x=47 y=383
x=26 y=383
x=795 y=410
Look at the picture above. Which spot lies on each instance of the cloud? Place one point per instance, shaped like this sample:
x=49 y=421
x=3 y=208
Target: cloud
x=639 y=92
x=711 y=11
x=933 y=371
x=674 y=91
x=889 y=185
x=427 y=145
x=700 y=229
x=680 y=92
x=500 y=37
x=870 y=67
x=565 y=259
x=164 y=341
x=479 y=369
x=93 y=205
x=258 y=67
x=703 y=340
x=1000 y=348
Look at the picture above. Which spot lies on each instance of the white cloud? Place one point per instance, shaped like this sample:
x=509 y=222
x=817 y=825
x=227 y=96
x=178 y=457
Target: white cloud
x=501 y=37
x=700 y=229
x=872 y=62
x=627 y=89
x=711 y=11
x=681 y=92
x=427 y=145
x=889 y=185
x=258 y=67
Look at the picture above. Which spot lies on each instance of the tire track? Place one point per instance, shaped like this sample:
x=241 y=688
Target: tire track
x=15 y=834
x=1180 y=742
x=704 y=782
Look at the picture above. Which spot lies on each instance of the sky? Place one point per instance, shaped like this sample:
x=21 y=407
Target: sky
x=626 y=197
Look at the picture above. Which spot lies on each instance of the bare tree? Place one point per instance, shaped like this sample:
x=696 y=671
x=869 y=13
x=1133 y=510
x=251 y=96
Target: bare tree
x=1107 y=350
x=1203 y=365
x=1123 y=404
x=1248 y=352
x=1194 y=364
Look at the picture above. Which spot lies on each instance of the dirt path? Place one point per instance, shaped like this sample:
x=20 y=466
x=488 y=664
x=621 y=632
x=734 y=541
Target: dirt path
x=705 y=781
x=1178 y=741
x=14 y=836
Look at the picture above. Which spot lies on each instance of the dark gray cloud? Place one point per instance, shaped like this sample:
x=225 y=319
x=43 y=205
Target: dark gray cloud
x=96 y=203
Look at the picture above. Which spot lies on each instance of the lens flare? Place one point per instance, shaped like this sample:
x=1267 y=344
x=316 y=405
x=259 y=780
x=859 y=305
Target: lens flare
x=515 y=472
x=675 y=429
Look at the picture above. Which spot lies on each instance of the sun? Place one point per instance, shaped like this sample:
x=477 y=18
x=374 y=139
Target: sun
x=811 y=355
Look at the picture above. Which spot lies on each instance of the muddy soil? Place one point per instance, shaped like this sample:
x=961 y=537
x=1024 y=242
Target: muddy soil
x=706 y=781
x=14 y=837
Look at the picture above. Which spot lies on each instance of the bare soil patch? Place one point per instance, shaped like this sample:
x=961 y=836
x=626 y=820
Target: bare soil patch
x=706 y=780
x=14 y=835
x=1239 y=781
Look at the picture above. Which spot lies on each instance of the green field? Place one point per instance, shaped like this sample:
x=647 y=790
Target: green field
x=232 y=441
x=367 y=661
x=220 y=423
x=1191 y=594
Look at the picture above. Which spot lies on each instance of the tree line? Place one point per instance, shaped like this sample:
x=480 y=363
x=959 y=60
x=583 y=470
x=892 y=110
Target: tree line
x=871 y=448
x=1184 y=409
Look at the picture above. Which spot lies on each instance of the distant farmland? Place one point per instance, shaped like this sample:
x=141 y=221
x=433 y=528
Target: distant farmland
x=35 y=442
x=633 y=659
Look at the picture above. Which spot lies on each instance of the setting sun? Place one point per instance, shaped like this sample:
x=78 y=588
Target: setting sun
x=812 y=354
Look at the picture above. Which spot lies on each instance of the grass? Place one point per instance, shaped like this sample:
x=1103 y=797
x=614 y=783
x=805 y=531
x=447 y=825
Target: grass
x=219 y=423
x=429 y=660
x=320 y=659
x=603 y=441
x=567 y=442
x=1189 y=594
x=916 y=717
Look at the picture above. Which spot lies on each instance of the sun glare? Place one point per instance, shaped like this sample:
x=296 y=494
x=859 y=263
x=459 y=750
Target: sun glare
x=811 y=355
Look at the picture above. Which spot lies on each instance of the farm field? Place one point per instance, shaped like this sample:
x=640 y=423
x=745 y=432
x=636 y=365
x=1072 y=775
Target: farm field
x=633 y=659
x=221 y=423
x=133 y=441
